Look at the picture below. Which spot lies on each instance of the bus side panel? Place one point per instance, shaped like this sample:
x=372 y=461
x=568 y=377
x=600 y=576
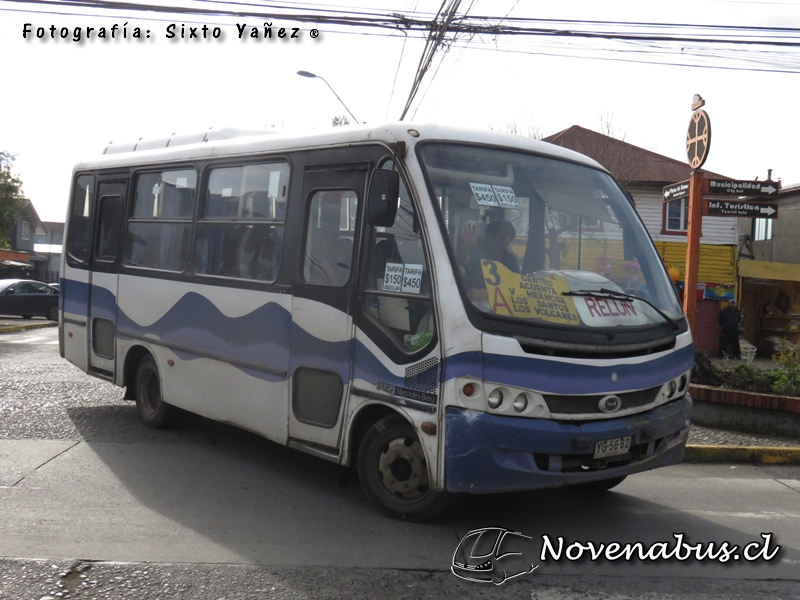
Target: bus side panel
x=74 y=294
x=413 y=389
x=229 y=348
x=102 y=322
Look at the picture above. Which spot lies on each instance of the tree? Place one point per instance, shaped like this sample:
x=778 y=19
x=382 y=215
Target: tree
x=527 y=130
x=340 y=120
x=11 y=198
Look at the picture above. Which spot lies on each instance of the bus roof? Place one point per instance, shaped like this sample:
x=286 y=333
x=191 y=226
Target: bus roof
x=215 y=143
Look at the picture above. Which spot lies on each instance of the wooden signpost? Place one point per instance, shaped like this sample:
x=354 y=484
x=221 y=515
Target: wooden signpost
x=711 y=197
x=698 y=142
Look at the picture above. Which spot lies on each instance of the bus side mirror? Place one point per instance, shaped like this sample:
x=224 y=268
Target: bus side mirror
x=384 y=195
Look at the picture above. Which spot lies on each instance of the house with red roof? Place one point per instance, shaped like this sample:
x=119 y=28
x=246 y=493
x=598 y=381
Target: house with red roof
x=644 y=175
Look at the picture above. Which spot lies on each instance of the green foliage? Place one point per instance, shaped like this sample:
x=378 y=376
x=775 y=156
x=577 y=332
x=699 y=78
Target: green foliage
x=788 y=356
x=704 y=371
x=745 y=376
x=783 y=380
x=787 y=383
x=11 y=198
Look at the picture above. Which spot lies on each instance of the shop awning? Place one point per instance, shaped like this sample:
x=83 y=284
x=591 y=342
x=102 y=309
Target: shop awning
x=769 y=270
x=14 y=263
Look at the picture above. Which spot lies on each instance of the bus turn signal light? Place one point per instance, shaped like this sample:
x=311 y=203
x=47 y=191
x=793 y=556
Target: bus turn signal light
x=429 y=428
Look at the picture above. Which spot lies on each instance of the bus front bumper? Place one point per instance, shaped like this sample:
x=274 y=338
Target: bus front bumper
x=489 y=453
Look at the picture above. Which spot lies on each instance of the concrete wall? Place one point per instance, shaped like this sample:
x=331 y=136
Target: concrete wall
x=783 y=247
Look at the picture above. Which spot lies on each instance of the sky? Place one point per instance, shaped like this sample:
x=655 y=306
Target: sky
x=63 y=101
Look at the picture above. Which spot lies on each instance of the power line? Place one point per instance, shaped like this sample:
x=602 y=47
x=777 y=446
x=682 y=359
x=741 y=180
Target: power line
x=768 y=48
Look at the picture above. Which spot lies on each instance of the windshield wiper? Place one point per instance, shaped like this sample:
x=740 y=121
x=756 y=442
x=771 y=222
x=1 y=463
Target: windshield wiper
x=612 y=295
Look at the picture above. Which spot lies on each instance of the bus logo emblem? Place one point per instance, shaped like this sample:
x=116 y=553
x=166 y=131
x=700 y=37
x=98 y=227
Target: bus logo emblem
x=609 y=404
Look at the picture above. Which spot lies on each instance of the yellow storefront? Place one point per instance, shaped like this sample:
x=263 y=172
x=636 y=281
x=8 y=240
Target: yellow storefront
x=770 y=299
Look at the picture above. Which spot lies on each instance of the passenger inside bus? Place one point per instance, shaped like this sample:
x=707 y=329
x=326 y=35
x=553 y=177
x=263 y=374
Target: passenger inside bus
x=256 y=256
x=494 y=246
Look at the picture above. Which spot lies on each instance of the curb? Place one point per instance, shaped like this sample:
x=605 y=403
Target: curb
x=13 y=328
x=765 y=455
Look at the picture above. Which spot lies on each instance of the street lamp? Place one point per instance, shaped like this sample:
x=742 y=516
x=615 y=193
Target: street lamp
x=313 y=76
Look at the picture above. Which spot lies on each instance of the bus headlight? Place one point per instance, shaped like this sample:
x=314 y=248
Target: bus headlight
x=520 y=403
x=672 y=387
x=495 y=398
x=684 y=383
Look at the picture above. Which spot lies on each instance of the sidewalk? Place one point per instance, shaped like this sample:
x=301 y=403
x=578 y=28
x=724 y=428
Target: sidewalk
x=707 y=444
x=720 y=445
x=11 y=324
x=704 y=445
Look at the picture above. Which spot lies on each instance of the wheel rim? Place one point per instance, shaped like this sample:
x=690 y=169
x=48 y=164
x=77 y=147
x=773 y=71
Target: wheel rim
x=403 y=470
x=150 y=393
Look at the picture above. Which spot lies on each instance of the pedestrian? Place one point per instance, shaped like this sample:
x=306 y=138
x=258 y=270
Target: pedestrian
x=729 y=319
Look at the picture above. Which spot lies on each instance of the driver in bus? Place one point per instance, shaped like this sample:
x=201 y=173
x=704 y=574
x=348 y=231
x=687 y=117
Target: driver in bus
x=494 y=246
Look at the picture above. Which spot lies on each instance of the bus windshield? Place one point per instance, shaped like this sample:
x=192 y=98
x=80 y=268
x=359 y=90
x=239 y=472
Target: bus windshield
x=546 y=241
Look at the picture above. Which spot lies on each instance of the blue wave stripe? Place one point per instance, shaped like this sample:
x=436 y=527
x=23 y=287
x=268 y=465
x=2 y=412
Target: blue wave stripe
x=263 y=336
x=259 y=337
x=564 y=378
x=104 y=303
x=75 y=296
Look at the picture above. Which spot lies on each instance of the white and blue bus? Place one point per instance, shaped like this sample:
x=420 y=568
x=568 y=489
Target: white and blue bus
x=443 y=311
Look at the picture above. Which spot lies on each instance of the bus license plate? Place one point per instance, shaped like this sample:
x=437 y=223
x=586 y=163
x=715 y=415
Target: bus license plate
x=613 y=447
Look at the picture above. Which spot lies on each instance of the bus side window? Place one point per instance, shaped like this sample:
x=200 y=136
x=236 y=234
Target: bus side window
x=160 y=225
x=240 y=230
x=329 y=237
x=80 y=219
x=398 y=290
x=110 y=219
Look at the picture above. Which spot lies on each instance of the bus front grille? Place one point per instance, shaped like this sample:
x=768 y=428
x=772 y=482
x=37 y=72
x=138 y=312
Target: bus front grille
x=588 y=405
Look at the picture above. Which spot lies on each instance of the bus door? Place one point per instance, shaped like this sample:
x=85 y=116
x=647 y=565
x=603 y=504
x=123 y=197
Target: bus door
x=322 y=323
x=102 y=317
x=75 y=274
x=398 y=355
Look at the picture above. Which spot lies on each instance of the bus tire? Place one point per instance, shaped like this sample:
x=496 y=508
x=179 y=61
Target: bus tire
x=149 y=402
x=600 y=486
x=393 y=472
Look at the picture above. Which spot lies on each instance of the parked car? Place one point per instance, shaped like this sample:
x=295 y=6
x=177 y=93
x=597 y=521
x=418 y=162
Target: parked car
x=28 y=299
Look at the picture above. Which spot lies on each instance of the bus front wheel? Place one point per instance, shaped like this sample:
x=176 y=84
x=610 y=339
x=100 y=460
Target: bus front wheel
x=149 y=402
x=393 y=472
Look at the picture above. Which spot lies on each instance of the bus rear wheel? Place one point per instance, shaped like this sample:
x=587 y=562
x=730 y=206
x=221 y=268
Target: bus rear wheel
x=393 y=472
x=149 y=402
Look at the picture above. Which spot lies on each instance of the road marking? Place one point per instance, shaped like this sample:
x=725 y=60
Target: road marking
x=791 y=483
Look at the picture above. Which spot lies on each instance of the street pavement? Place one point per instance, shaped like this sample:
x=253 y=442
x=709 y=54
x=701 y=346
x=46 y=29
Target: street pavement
x=12 y=324
x=95 y=506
